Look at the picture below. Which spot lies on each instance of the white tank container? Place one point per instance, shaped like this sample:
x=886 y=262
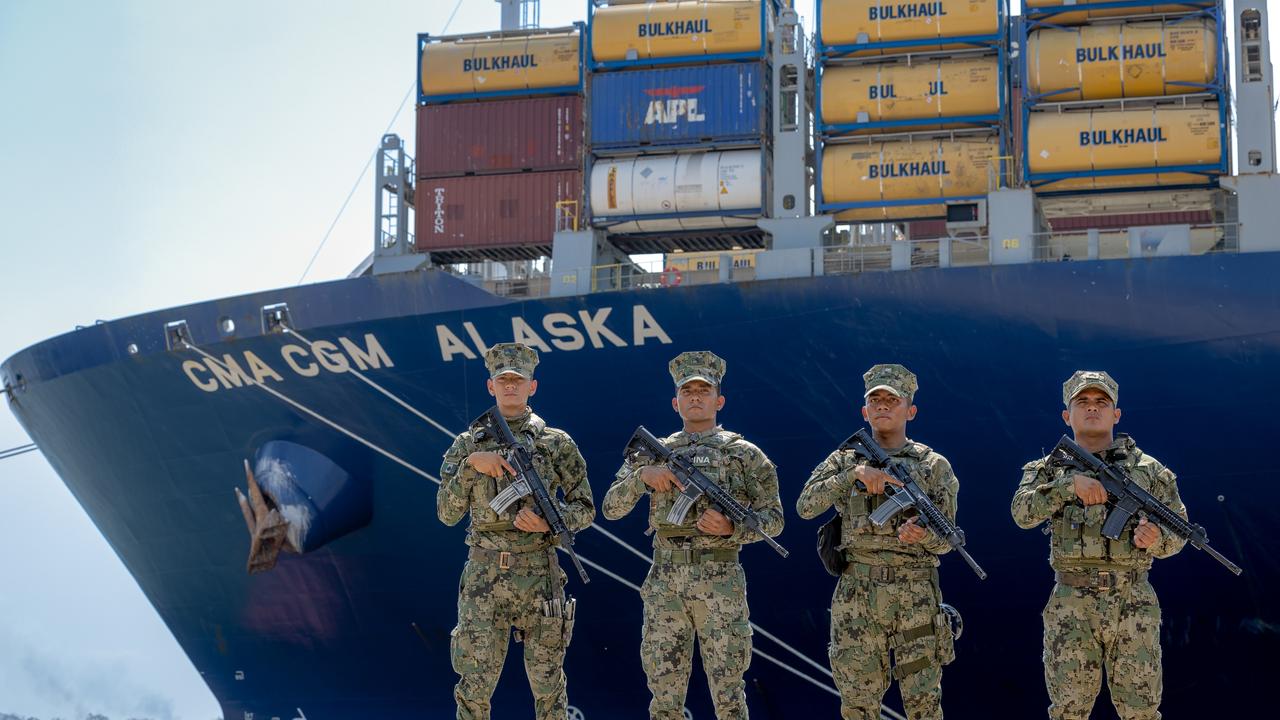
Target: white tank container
x=712 y=182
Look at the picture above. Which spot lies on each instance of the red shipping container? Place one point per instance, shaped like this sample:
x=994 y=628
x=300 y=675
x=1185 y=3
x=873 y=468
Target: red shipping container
x=1119 y=222
x=479 y=212
x=499 y=136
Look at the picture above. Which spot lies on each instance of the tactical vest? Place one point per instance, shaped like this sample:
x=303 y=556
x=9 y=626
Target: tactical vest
x=860 y=532
x=714 y=456
x=1076 y=538
x=532 y=436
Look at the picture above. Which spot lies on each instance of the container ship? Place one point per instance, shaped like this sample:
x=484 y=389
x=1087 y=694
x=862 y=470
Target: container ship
x=992 y=200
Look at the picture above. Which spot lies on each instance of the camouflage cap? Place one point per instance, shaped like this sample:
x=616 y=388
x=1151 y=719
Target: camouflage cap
x=511 y=357
x=894 y=378
x=1084 y=379
x=701 y=365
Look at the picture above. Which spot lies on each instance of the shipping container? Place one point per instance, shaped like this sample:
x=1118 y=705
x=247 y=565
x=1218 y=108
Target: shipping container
x=1122 y=182
x=905 y=170
x=500 y=136
x=1013 y=145
x=1139 y=59
x=701 y=184
x=1038 y=8
x=861 y=22
x=695 y=261
x=484 y=212
x=692 y=29
x=451 y=69
x=1087 y=141
x=681 y=105
x=1107 y=222
x=929 y=91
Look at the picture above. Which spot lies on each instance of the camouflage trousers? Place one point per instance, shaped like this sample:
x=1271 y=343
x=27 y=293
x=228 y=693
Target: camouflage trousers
x=707 y=600
x=491 y=601
x=886 y=630
x=1086 y=631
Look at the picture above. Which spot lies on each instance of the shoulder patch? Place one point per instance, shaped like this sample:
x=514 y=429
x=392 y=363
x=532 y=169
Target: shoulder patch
x=1035 y=465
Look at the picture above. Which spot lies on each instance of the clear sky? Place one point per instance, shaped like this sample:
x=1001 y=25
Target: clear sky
x=154 y=154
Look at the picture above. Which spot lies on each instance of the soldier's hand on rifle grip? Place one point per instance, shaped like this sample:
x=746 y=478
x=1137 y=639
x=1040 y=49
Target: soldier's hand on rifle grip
x=661 y=479
x=1089 y=490
x=712 y=522
x=911 y=533
x=491 y=464
x=874 y=479
x=530 y=521
x=1145 y=534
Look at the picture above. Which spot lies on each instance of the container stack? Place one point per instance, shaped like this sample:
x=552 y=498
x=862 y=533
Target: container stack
x=499 y=151
x=911 y=109
x=679 y=122
x=1129 y=96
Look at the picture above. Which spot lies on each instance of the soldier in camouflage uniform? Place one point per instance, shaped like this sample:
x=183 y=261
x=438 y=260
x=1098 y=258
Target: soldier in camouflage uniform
x=1102 y=613
x=886 y=620
x=696 y=587
x=512 y=577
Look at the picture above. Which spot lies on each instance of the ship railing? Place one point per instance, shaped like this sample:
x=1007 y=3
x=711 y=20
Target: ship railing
x=1136 y=242
x=654 y=272
x=567 y=215
x=872 y=255
x=532 y=287
x=857 y=258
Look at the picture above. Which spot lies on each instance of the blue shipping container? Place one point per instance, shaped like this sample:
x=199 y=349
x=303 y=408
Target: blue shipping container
x=700 y=104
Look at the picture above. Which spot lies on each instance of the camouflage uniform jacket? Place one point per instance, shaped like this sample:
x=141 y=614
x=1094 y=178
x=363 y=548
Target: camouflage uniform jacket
x=559 y=464
x=737 y=466
x=1047 y=493
x=831 y=484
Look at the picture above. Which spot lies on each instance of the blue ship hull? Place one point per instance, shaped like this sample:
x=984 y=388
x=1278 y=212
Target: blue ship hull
x=359 y=627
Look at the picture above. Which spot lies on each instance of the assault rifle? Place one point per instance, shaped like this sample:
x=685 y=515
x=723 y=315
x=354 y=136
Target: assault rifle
x=1128 y=497
x=908 y=496
x=645 y=447
x=527 y=482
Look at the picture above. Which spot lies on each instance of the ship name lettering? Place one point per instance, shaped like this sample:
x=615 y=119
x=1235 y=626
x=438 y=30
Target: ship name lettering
x=557 y=331
x=230 y=371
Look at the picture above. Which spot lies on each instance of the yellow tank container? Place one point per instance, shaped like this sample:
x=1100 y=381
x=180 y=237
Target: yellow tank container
x=1083 y=16
x=907 y=170
x=675 y=29
x=1091 y=140
x=1100 y=62
x=885 y=213
x=693 y=262
x=928 y=91
x=1118 y=182
x=454 y=67
x=848 y=22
